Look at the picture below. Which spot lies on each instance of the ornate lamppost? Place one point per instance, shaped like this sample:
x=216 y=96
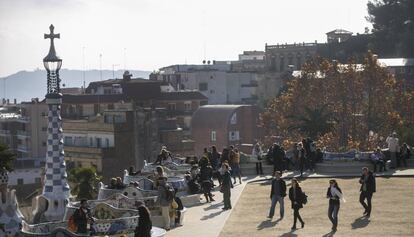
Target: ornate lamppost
x=55 y=188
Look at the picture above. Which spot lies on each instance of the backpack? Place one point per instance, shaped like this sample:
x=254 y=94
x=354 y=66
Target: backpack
x=170 y=193
x=71 y=224
x=304 y=198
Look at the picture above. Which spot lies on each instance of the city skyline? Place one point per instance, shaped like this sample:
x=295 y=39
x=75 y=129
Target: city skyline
x=147 y=35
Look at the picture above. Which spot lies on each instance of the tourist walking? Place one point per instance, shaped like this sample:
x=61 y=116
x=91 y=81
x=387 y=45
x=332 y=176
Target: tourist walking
x=393 y=148
x=165 y=197
x=368 y=188
x=144 y=226
x=206 y=179
x=334 y=194
x=296 y=196
x=277 y=194
x=235 y=165
x=226 y=186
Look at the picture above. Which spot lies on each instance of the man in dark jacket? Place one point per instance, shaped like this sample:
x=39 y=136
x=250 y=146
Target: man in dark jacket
x=277 y=194
x=278 y=157
x=367 y=189
x=81 y=217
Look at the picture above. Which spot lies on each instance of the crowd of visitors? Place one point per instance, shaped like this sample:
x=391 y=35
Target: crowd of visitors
x=304 y=156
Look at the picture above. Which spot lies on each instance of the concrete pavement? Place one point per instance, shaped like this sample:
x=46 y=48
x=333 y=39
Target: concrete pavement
x=208 y=219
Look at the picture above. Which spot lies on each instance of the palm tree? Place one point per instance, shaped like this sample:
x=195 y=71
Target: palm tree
x=85 y=182
x=314 y=122
x=6 y=158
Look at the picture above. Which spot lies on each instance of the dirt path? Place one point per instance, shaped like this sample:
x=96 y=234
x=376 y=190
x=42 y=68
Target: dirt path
x=392 y=215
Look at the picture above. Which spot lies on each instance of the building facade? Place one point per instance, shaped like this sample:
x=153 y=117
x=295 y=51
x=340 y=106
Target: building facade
x=224 y=125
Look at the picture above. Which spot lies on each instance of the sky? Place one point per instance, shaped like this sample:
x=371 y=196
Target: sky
x=149 y=34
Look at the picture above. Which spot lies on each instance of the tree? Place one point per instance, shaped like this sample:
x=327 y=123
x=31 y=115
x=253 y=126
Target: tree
x=393 y=27
x=365 y=99
x=6 y=158
x=314 y=122
x=84 y=182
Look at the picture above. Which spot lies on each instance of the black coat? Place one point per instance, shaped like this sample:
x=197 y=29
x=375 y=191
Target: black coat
x=370 y=183
x=282 y=188
x=298 y=198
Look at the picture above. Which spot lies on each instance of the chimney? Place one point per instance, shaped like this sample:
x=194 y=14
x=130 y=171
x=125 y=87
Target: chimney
x=15 y=101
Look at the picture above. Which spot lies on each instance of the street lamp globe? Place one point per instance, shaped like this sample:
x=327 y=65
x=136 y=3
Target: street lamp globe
x=52 y=64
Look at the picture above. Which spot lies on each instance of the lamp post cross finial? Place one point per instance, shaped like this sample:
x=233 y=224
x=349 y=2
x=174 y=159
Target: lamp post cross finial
x=52 y=35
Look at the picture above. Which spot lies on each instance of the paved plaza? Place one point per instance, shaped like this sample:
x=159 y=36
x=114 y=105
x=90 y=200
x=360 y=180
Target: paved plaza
x=393 y=212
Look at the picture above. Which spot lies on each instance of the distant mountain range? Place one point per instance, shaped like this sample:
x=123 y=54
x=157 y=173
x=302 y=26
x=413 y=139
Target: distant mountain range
x=25 y=85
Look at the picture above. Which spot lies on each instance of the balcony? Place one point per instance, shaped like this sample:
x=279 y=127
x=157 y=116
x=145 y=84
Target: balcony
x=23 y=148
x=4 y=133
x=23 y=134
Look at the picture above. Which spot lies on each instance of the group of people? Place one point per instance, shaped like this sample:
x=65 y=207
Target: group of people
x=334 y=193
x=305 y=155
x=116 y=183
x=222 y=166
x=397 y=154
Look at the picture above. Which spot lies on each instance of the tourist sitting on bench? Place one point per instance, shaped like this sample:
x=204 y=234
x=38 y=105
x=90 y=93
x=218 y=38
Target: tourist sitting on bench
x=112 y=184
x=132 y=171
x=119 y=183
x=378 y=158
x=193 y=186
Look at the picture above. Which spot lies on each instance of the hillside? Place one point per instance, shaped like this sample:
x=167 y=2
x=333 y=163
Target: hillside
x=25 y=85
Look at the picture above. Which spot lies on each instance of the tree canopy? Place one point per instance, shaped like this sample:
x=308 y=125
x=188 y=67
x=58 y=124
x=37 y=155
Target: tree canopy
x=84 y=182
x=393 y=27
x=6 y=157
x=341 y=106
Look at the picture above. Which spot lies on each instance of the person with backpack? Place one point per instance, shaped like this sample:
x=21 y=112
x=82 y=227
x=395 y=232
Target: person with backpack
x=298 y=198
x=334 y=193
x=81 y=217
x=165 y=198
x=277 y=194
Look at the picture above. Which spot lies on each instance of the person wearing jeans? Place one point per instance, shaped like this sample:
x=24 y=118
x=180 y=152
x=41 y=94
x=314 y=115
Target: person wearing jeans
x=277 y=194
x=334 y=194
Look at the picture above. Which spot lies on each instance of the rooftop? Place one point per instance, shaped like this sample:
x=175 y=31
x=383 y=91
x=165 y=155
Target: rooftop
x=183 y=95
x=396 y=62
x=339 y=32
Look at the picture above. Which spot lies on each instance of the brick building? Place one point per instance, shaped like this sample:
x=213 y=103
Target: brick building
x=224 y=125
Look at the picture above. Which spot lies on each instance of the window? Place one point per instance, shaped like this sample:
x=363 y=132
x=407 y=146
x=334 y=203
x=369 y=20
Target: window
x=98 y=142
x=213 y=136
x=43 y=143
x=91 y=142
x=107 y=142
x=204 y=102
x=110 y=106
x=20 y=182
x=234 y=136
x=171 y=106
x=187 y=105
x=203 y=86
x=233 y=119
x=68 y=141
x=44 y=129
x=37 y=180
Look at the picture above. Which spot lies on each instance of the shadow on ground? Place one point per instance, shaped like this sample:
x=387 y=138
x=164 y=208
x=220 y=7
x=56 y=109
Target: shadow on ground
x=267 y=224
x=211 y=215
x=360 y=222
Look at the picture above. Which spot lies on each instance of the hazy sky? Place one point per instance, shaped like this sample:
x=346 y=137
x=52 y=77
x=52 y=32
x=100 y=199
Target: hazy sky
x=156 y=33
